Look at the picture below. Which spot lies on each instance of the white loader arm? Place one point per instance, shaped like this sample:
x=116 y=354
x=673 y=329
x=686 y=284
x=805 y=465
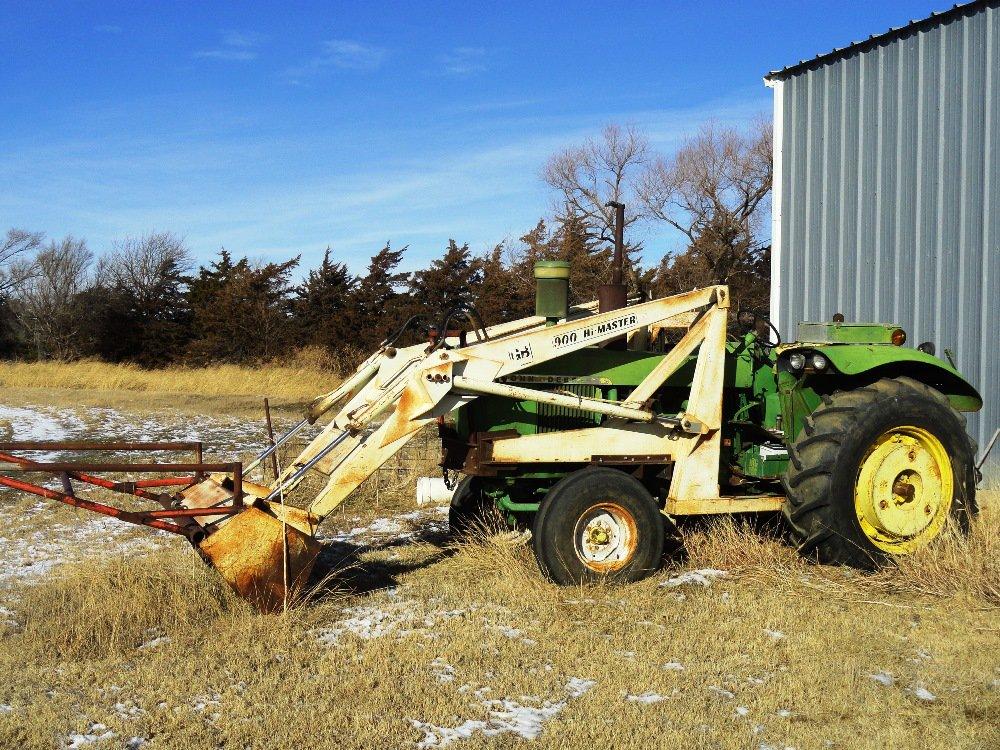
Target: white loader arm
x=416 y=384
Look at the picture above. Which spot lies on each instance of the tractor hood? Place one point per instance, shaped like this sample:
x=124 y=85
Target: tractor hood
x=886 y=360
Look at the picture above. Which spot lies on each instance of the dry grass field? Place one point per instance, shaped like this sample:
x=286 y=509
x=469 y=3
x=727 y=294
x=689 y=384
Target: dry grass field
x=124 y=639
x=302 y=376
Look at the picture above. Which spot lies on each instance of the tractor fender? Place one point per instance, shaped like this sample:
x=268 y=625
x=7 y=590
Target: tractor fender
x=876 y=361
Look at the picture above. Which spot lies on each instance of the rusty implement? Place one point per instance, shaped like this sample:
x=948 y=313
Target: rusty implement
x=265 y=552
x=265 y=555
x=265 y=560
x=170 y=517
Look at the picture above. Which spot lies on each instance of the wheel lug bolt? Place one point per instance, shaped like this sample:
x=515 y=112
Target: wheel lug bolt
x=927 y=509
x=883 y=504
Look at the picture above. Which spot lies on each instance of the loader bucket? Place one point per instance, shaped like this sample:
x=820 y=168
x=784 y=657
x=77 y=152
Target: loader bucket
x=248 y=552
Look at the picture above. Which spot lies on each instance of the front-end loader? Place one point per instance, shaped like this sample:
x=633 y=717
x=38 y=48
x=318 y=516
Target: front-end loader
x=594 y=426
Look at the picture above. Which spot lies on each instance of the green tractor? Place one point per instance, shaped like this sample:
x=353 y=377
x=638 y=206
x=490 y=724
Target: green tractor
x=859 y=442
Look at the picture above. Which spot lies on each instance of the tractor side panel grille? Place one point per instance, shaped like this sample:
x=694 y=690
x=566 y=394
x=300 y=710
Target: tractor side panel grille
x=552 y=418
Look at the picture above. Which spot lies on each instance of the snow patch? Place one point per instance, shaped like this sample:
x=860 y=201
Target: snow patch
x=673 y=666
x=94 y=733
x=128 y=710
x=515 y=634
x=721 y=692
x=443 y=671
x=883 y=678
x=703 y=578
x=401 y=618
x=158 y=641
x=774 y=635
x=401 y=526
x=32 y=555
x=923 y=694
x=504 y=717
x=578 y=686
x=647 y=697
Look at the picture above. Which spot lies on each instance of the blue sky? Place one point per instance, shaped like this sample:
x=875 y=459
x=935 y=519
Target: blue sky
x=275 y=129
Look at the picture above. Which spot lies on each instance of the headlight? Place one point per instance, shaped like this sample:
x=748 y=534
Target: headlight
x=819 y=362
x=899 y=337
x=797 y=361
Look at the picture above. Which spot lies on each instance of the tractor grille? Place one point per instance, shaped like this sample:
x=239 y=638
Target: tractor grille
x=553 y=418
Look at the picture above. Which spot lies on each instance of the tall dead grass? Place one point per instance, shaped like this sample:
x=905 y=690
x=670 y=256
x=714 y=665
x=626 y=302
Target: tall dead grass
x=303 y=375
x=956 y=566
x=99 y=609
x=744 y=662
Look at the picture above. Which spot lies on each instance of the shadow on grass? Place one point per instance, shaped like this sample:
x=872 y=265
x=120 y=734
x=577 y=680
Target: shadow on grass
x=350 y=568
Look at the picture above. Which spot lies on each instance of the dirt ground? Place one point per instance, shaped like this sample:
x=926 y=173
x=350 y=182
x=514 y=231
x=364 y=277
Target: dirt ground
x=115 y=637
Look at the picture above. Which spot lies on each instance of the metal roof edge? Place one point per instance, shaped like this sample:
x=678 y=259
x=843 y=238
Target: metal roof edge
x=839 y=53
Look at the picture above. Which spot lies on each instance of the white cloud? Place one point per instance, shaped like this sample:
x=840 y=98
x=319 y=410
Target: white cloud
x=239 y=46
x=464 y=61
x=241 y=38
x=226 y=54
x=347 y=54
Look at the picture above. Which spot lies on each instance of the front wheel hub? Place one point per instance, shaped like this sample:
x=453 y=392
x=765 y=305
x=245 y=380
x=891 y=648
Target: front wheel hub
x=605 y=537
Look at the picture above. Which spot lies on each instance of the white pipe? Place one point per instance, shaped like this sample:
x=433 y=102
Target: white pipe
x=433 y=491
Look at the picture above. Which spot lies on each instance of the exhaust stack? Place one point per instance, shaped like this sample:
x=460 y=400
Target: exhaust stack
x=614 y=296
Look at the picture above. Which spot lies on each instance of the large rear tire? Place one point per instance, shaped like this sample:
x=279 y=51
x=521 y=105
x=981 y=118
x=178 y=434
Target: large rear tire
x=878 y=472
x=595 y=524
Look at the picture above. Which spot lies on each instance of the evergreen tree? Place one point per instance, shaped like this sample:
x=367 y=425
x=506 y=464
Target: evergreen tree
x=449 y=281
x=590 y=260
x=379 y=305
x=497 y=296
x=536 y=244
x=241 y=312
x=322 y=305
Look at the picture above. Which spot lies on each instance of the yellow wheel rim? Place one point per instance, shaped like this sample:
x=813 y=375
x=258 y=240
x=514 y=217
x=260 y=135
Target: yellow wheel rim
x=904 y=490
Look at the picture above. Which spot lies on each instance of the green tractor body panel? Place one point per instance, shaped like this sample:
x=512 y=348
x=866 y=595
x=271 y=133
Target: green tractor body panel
x=751 y=403
x=885 y=360
x=846 y=333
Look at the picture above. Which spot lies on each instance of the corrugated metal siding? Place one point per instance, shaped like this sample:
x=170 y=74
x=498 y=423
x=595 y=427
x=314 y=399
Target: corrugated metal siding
x=890 y=204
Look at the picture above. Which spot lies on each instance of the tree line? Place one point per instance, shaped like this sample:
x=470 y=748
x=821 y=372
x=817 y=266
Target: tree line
x=144 y=300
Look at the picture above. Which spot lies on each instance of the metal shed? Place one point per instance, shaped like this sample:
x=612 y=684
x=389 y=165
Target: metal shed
x=887 y=189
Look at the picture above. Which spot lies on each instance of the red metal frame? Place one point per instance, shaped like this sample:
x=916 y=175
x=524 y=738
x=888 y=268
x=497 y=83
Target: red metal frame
x=10 y=462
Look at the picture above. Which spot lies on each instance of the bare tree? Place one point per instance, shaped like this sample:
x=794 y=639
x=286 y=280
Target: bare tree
x=599 y=171
x=14 y=268
x=714 y=191
x=144 y=264
x=47 y=303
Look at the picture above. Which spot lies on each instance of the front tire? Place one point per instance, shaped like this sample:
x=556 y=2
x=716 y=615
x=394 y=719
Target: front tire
x=598 y=523
x=878 y=472
x=471 y=511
